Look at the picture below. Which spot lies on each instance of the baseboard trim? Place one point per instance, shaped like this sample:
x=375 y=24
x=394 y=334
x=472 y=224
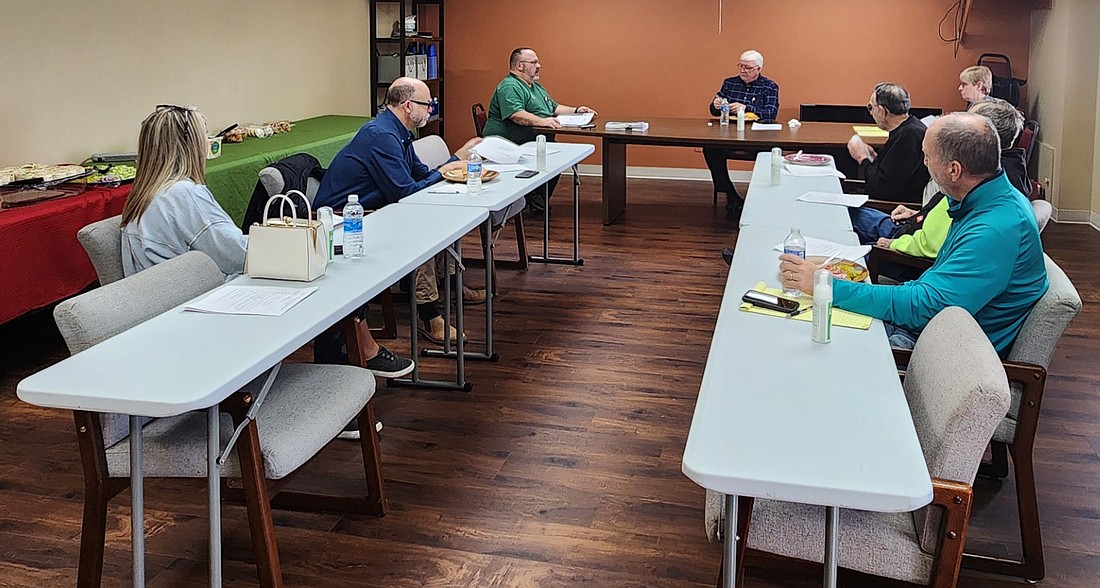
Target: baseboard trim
x=665 y=173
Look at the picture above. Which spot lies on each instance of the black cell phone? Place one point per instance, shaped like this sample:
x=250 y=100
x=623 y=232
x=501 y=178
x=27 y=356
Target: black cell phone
x=770 y=302
x=527 y=173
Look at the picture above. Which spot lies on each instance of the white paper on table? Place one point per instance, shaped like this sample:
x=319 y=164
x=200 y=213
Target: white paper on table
x=640 y=126
x=849 y=200
x=812 y=171
x=446 y=188
x=928 y=120
x=498 y=149
x=531 y=151
x=823 y=248
x=251 y=300
x=759 y=126
x=337 y=220
x=575 y=120
x=502 y=167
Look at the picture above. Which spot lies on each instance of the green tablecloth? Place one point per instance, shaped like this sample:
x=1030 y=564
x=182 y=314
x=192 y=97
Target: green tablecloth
x=232 y=177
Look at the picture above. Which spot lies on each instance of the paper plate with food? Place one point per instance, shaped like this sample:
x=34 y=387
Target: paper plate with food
x=459 y=175
x=808 y=159
x=842 y=269
x=119 y=173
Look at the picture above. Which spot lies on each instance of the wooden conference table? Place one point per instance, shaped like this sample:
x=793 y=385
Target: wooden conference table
x=694 y=132
x=781 y=417
x=213 y=356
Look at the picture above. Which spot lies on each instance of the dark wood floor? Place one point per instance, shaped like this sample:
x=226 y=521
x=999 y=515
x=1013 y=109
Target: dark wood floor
x=562 y=466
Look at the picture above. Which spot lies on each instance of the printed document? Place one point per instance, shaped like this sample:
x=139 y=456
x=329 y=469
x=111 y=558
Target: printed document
x=252 y=300
x=575 y=120
x=499 y=150
x=823 y=248
x=849 y=200
x=812 y=171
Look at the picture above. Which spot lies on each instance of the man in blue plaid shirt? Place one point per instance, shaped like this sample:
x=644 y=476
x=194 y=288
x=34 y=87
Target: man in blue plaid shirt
x=758 y=95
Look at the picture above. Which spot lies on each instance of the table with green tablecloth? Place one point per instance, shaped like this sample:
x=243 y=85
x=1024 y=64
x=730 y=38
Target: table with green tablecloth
x=232 y=177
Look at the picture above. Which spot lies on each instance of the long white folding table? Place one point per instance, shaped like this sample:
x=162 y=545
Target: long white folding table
x=783 y=418
x=498 y=195
x=778 y=206
x=183 y=361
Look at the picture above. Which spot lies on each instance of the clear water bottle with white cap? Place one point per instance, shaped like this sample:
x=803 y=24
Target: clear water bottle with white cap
x=723 y=112
x=473 y=173
x=353 y=228
x=794 y=244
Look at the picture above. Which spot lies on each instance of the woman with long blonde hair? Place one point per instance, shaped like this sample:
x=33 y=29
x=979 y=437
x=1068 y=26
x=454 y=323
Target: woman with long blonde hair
x=170 y=211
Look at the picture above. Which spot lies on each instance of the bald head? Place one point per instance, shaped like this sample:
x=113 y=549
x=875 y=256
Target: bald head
x=961 y=150
x=403 y=89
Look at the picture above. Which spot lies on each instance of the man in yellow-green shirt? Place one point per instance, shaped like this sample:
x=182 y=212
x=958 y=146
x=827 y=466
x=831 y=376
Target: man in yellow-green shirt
x=521 y=109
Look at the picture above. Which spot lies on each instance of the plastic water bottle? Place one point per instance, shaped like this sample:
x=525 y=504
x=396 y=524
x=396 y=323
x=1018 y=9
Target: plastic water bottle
x=353 y=228
x=473 y=173
x=324 y=215
x=794 y=244
x=724 y=112
x=821 y=331
x=741 y=119
x=777 y=165
x=540 y=153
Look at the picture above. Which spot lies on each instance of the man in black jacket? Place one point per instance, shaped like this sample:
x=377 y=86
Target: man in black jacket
x=897 y=171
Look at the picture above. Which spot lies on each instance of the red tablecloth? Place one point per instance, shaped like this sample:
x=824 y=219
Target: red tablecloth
x=41 y=262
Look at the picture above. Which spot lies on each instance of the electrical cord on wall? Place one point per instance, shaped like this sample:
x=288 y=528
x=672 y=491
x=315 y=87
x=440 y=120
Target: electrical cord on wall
x=957 y=9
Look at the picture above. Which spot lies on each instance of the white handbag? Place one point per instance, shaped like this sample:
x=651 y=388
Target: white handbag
x=287 y=248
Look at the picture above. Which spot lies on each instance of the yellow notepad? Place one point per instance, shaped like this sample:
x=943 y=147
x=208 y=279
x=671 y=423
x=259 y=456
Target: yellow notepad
x=869 y=131
x=841 y=318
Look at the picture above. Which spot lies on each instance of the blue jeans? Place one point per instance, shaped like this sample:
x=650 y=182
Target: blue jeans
x=899 y=337
x=870 y=224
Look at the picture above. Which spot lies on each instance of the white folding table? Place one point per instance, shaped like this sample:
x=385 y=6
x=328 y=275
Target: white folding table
x=183 y=361
x=783 y=418
x=498 y=195
x=778 y=206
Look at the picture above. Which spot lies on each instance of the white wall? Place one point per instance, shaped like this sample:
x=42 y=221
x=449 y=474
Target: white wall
x=78 y=77
x=1064 y=95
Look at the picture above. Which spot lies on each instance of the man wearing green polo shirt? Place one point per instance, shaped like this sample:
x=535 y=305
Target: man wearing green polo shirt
x=521 y=109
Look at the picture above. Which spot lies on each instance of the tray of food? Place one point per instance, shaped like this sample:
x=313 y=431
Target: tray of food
x=36 y=175
x=842 y=269
x=459 y=175
x=111 y=174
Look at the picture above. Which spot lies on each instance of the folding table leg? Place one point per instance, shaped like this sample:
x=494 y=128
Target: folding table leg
x=489 y=354
x=137 y=501
x=729 y=544
x=545 y=257
x=832 y=526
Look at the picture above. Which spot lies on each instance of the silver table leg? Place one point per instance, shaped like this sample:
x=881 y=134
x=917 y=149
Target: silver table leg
x=729 y=543
x=489 y=354
x=137 y=502
x=832 y=526
x=545 y=257
x=213 y=483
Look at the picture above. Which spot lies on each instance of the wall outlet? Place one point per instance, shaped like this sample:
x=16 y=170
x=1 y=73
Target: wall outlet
x=1044 y=170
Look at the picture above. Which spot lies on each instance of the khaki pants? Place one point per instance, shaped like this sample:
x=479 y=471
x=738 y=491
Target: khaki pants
x=427 y=281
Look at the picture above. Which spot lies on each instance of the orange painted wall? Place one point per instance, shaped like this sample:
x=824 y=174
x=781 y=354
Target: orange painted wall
x=639 y=58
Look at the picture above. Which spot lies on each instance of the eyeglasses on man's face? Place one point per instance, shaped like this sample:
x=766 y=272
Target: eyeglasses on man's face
x=747 y=66
x=427 y=104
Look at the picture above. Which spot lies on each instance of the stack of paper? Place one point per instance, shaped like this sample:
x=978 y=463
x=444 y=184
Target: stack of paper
x=823 y=248
x=575 y=120
x=640 y=126
x=499 y=149
x=849 y=200
x=808 y=171
x=252 y=300
x=841 y=318
x=759 y=126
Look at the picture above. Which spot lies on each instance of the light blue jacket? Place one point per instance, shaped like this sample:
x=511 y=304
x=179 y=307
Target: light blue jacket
x=182 y=218
x=991 y=264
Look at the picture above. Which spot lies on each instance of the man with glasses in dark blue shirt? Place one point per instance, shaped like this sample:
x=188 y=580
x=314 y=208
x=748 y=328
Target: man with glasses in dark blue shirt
x=759 y=96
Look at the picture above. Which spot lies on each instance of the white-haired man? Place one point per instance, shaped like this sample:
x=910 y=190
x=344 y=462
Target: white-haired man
x=758 y=95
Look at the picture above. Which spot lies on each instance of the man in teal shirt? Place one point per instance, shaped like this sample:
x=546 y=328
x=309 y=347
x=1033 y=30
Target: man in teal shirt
x=991 y=263
x=521 y=109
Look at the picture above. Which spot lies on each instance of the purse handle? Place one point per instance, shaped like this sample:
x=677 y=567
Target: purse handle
x=284 y=199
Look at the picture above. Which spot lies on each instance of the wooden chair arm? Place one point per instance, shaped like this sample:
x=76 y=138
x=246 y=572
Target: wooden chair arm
x=886 y=206
x=1032 y=378
x=879 y=255
x=955 y=498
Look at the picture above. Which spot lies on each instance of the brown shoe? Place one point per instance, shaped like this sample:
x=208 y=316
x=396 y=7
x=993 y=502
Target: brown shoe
x=433 y=331
x=472 y=296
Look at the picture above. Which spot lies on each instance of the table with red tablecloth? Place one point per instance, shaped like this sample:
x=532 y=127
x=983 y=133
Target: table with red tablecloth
x=41 y=262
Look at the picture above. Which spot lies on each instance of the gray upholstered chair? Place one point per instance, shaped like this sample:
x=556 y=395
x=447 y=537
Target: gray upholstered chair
x=102 y=240
x=307 y=407
x=957 y=393
x=433 y=152
x=273 y=183
x=1026 y=367
x=1043 y=210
